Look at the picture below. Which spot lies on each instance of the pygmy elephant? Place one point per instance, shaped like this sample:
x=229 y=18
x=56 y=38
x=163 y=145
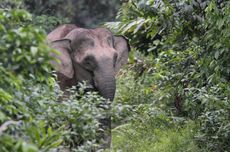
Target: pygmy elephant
x=91 y=55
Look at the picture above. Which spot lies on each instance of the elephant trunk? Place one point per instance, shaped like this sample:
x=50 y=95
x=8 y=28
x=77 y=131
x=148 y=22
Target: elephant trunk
x=107 y=86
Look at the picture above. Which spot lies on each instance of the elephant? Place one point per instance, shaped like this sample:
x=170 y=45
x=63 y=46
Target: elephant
x=91 y=55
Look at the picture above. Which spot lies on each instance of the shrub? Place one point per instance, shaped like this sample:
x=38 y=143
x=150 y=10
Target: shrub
x=31 y=117
x=187 y=42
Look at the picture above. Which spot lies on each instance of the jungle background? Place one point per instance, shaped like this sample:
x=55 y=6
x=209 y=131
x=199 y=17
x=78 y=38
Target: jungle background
x=172 y=96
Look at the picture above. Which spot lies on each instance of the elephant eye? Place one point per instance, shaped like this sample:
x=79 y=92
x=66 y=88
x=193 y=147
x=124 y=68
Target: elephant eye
x=89 y=63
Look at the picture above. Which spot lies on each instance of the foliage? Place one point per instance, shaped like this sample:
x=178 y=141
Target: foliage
x=9 y=4
x=31 y=116
x=87 y=13
x=51 y=13
x=187 y=48
x=173 y=95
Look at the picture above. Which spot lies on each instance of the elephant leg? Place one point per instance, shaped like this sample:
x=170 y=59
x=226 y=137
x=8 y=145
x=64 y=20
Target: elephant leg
x=104 y=134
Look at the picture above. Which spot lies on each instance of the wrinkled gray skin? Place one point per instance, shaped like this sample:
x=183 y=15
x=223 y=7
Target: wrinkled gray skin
x=92 y=55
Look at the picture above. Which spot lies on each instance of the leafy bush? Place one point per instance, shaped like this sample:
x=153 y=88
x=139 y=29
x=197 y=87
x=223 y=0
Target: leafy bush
x=31 y=117
x=188 y=53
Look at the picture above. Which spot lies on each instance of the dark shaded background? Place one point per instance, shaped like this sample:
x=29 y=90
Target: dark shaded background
x=86 y=13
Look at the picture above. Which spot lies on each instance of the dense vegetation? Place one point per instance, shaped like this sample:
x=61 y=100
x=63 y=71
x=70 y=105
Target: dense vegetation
x=172 y=96
x=31 y=117
x=87 y=13
x=180 y=89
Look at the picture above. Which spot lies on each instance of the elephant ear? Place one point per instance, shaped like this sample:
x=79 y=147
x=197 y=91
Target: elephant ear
x=122 y=46
x=64 y=65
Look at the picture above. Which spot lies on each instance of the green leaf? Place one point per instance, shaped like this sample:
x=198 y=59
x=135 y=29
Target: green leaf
x=217 y=54
x=33 y=50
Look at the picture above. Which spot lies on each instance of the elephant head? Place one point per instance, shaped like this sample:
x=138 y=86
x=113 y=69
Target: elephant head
x=91 y=55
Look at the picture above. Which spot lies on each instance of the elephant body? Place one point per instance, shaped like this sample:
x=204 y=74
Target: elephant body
x=91 y=55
